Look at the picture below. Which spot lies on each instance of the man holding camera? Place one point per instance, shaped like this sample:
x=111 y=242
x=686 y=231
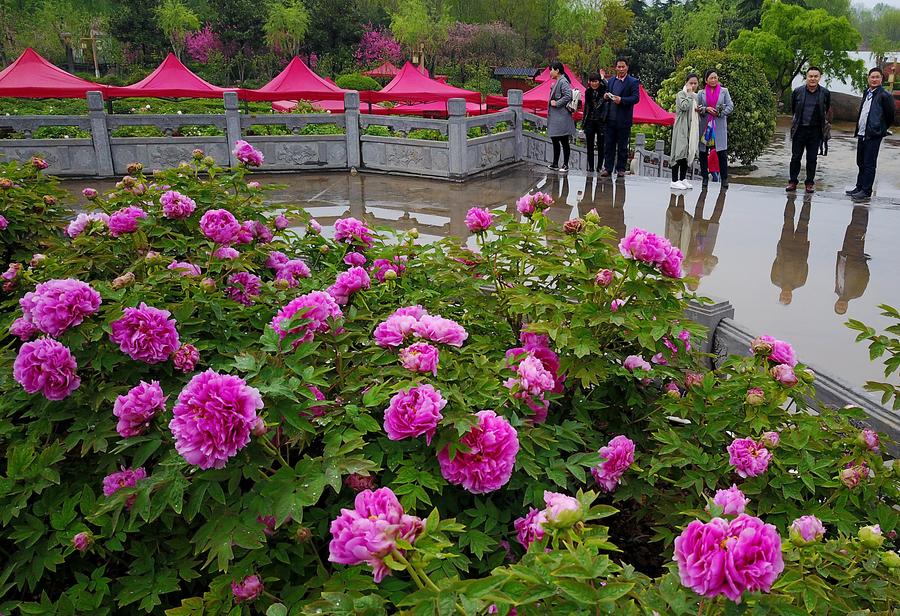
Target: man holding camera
x=623 y=93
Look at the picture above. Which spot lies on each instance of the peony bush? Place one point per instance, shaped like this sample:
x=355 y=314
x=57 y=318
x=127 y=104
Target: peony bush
x=213 y=407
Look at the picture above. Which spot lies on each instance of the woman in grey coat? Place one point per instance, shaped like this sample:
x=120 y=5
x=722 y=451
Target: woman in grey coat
x=714 y=106
x=685 y=133
x=560 y=125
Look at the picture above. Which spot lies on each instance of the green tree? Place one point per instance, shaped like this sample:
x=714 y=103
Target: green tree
x=752 y=123
x=135 y=27
x=414 y=25
x=239 y=24
x=176 y=20
x=588 y=34
x=790 y=37
x=642 y=48
x=286 y=26
x=707 y=24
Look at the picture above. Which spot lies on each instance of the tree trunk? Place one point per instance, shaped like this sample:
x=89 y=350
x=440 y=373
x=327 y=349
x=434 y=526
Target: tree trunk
x=70 y=58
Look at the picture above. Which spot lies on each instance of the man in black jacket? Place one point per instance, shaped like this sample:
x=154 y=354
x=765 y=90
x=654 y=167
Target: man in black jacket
x=623 y=92
x=595 y=109
x=811 y=106
x=876 y=114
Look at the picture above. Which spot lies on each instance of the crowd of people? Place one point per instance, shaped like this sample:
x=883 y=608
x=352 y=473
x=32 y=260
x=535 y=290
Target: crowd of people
x=700 y=131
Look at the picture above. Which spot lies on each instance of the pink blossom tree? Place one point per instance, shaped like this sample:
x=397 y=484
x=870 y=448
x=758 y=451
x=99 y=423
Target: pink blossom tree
x=377 y=45
x=201 y=43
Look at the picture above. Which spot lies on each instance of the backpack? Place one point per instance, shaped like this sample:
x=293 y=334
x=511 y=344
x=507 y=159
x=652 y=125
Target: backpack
x=572 y=105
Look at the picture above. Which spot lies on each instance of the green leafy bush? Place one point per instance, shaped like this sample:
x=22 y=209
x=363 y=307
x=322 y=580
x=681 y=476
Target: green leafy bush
x=879 y=344
x=427 y=134
x=355 y=81
x=33 y=206
x=268 y=129
x=175 y=537
x=752 y=124
x=322 y=129
x=375 y=130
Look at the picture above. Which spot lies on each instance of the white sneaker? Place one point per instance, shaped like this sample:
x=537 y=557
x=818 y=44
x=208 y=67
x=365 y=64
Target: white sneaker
x=687 y=185
x=676 y=186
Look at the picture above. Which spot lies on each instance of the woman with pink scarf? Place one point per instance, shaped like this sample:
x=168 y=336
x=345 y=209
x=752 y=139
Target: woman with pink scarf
x=714 y=106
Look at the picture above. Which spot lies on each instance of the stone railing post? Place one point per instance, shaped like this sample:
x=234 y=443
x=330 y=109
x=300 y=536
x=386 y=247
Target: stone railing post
x=232 y=125
x=456 y=135
x=660 y=151
x=514 y=100
x=709 y=315
x=351 y=128
x=640 y=143
x=100 y=134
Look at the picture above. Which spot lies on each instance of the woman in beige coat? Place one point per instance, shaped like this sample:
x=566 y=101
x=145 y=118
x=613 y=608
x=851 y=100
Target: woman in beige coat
x=685 y=133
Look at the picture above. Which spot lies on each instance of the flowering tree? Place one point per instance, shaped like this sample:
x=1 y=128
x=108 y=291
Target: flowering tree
x=201 y=44
x=209 y=404
x=376 y=45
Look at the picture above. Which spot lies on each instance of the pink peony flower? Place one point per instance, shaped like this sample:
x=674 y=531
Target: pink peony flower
x=729 y=558
x=319 y=410
x=532 y=377
x=269 y=522
x=439 y=329
x=381 y=268
x=416 y=311
x=145 y=334
x=785 y=375
x=186 y=358
x=253 y=185
x=347 y=283
x=652 y=249
x=220 y=226
x=313 y=227
x=247 y=154
x=39 y=163
x=175 y=205
x=530 y=528
x=805 y=530
x=82 y=541
x=225 y=253
x=125 y=220
x=243 y=287
x=618 y=456
x=633 y=362
x=138 y=407
x=529 y=204
x=692 y=379
x=82 y=221
x=261 y=232
x=354 y=258
x=616 y=304
x=779 y=352
x=394 y=330
x=479 y=220
x=358 y=483
x=3 y=222
x=281 y=222
x=603 y=278
x=246 y=233
x=90 y=193
x=318 y=307
x=24 y=329
x=748 y=457
x=562 y=511
x=660 y=359
x=414 y=412
x=853 y=474
x=486 y=458
x=185 y=268
x=60 y=304
x=420 y=357
x=770 y=439
x=251 y=587
x=276 y=259
x=369 y=532
x=291 y=271
x=46 y=366
x=352 y=231
x=126 y=478
x=867 y=438
x=213 y=418
x=732 y=500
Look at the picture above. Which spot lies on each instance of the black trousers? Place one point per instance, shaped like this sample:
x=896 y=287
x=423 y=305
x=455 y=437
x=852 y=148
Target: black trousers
x=806 y=139
x=679 y=170
x=566 y=150
x=723 y=164
x=866 y=160
x=593 y=133
x=616 y=147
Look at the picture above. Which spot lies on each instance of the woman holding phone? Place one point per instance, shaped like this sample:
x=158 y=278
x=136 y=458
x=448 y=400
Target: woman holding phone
x=714 y=105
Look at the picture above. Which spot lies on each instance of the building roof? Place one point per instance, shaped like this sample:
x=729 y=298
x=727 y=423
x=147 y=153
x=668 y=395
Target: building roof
x=514 y=71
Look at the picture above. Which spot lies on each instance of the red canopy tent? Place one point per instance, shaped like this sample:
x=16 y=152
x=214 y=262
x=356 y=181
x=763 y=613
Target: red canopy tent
x=412 y=86
x=545 y=76
x=31 y=76
x=385 y=70
x=296 y=81
x=171 y=79
x=648 y=112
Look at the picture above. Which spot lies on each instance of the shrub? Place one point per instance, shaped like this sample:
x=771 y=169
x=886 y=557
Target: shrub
x=427 y=134
x=355 y=81
x=565 y=398
x=752 y=124
x=375 y=130
x=322 y=129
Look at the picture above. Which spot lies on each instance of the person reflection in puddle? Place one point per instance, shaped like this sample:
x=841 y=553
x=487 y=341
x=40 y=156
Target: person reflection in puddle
x=695 y=235
x=558 y=188
x=851 y=272
x=608 y=200
x=791 y=267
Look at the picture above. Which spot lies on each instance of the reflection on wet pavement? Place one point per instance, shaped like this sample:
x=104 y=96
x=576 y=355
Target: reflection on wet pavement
x=794 y=267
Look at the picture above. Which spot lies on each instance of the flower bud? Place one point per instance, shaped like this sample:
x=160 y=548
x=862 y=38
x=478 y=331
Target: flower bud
x=890 y=559
x=692 y=379
x=784 y=374
x=303 y=534
x=39 y=163
x=871 y=536
x=562 y=511
x=127 y=182
x=134 y=168
x=761 y=347
x=603 y=278
x=413 y=233
x=573 y=226
x=869 y=439
x=259 y=428
x=184 y=166
x=324 y=249
x=123 y=281
x=253 y=184
x=592 y=216
x=807 y=375
x=37 y=259
x=208 y=285
x=358 y=483
x=198 y=154
x=806 y=530
x=390 y=275
x=82 y=541
x=755 y=396
x=770 y=439
x=209 y=161
x=282 y=284
x=89 y=193
x=49 y=200
x=672 y=390
x=6 y=183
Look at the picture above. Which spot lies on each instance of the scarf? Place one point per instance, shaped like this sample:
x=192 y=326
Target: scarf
x=712 y=99
x=712 y=95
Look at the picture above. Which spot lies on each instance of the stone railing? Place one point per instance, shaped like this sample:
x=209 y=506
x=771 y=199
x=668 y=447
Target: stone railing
x=655 y=162
x=449 y=156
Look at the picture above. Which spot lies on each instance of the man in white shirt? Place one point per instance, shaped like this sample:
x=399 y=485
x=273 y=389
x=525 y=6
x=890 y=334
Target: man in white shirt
x=876 y=114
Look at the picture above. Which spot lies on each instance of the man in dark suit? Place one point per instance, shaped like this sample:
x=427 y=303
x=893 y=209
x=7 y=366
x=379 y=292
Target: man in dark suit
x=876 y=114
x=623 y=92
